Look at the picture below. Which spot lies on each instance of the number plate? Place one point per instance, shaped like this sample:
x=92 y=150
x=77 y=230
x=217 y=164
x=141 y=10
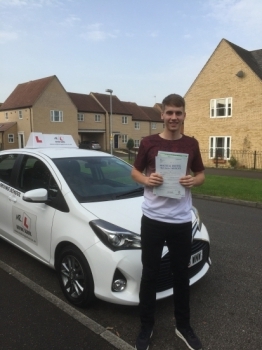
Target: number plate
x=196 y=258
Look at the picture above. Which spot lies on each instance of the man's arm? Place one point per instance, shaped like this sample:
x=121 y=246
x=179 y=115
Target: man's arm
x=153 y=180
x=190 y=181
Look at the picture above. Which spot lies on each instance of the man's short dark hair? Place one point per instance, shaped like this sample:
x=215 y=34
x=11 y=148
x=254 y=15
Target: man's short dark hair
x=173 y=100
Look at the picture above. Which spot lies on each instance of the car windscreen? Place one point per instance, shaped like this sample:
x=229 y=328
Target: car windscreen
x=95 y=179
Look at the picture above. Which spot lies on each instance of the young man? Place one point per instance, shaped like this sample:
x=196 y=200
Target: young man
x=167 y=220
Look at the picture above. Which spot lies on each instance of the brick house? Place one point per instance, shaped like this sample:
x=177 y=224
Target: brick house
x=41 y=105
x=224 y=104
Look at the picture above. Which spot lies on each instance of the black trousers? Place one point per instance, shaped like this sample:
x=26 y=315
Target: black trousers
x=178 y=238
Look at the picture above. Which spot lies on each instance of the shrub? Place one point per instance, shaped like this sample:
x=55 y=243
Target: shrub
x=233 y=162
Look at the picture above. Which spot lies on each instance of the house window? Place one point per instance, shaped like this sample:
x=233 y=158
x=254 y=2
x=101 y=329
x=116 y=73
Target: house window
x=11 y=138
x=6 y=115
x=221 y=107
x=124 y=138
x=153 y=126
x=80 y=117
x=20 y=114
x=56 y=116
x=137 y=125
x=136 y=143
x=219 y=147
x=97 y=118
x=124 y=119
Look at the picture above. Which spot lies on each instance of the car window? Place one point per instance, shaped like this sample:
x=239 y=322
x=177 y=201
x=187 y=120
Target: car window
x=97 y=178
x=7 y=162
x=35 y=174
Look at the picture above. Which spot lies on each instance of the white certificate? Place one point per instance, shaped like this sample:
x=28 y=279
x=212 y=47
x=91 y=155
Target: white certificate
x=172 y=166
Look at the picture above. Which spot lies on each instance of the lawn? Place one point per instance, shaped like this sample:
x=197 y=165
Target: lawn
x=231 y=187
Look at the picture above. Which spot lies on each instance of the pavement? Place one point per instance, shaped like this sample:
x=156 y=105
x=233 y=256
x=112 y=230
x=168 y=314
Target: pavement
x=246 y=173
x=39 y=320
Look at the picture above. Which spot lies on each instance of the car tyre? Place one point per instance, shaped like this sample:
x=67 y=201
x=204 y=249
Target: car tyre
x=75 y=276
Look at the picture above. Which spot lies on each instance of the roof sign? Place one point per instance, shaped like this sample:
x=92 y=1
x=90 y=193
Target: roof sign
x=39 y=140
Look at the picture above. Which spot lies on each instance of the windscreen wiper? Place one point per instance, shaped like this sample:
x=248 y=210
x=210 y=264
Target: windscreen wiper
x=128 y=193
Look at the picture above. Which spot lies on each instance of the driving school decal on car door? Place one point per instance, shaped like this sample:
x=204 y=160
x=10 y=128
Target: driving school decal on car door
x=25 y=224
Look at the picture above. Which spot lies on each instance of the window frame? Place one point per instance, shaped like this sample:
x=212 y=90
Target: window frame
x=124 y=138
x=98 y=118
x=53 y=117
x=11 y=137
x=214 y=108
x=80 y=117
x=137 y=125
x=124 y=119
x=136 y=143
x=220 y=152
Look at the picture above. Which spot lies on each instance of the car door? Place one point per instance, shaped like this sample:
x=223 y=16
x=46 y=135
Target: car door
x=7 y=162
x=32 y=222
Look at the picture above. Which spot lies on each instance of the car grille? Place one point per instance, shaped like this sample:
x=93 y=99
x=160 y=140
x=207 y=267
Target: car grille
x=165 y=280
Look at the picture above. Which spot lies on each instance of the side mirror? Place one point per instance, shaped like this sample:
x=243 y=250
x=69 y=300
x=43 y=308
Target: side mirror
x=36 y=196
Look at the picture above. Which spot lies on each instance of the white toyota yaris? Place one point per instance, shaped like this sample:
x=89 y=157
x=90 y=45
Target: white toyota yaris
x=79 y=212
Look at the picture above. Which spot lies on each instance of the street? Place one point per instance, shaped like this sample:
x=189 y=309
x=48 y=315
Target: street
x=226 y=304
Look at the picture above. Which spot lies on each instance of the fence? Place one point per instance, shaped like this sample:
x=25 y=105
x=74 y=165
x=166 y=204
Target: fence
x=233 y=158
x=222 y=158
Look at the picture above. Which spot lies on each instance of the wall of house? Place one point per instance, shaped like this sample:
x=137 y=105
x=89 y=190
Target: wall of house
x=24 y=124
x=129 y=129
x=5 y=144
x=218 y=80
x=55 y=98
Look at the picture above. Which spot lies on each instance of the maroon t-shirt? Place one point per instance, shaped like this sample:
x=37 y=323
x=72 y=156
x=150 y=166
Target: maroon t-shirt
x=150 y=146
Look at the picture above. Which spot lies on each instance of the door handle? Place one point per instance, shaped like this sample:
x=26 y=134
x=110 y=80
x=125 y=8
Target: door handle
x=12 y=199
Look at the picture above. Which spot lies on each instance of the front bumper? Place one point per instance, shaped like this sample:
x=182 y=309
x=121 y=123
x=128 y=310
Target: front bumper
x=103 y=264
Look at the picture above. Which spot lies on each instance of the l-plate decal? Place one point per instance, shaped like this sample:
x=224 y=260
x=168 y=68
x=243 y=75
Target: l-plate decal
x=24 y=224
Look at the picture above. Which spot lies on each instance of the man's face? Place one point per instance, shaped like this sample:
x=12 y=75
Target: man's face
x=173 y=117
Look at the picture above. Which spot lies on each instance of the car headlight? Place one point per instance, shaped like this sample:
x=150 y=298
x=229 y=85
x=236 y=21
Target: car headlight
x=115 y=237
x=199 y=222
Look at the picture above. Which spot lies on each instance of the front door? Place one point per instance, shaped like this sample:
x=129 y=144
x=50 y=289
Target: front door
x=116 y=141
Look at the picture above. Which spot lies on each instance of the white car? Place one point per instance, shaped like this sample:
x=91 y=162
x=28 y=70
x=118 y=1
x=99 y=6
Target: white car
x=79 y=212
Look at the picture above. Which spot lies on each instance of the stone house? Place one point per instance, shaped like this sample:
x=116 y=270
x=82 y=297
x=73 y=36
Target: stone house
x=44 y=106
x=41 y=105
x=224 y=104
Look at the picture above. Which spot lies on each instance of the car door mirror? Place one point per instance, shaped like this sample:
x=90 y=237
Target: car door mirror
x=36 y=196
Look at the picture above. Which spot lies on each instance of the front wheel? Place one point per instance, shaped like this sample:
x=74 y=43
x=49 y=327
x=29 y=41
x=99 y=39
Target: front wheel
x=75 y=276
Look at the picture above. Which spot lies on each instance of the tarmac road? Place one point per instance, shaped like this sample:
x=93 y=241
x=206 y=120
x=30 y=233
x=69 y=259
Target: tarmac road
x=30 y=321
x=226 y=303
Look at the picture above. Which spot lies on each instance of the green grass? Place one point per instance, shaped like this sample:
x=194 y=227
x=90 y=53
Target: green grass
x=231 y=187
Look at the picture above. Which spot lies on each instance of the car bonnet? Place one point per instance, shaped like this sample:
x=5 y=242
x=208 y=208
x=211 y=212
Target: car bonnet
x=125 y=213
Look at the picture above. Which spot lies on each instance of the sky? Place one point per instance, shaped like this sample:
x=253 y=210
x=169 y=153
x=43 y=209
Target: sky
x=143 y=50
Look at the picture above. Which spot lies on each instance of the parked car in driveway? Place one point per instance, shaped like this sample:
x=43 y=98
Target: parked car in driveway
x=79 y=212
x=90 y=145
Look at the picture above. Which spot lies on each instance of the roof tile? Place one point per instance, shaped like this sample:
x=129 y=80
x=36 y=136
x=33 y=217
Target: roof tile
x=85 y=103
x=26 y=94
